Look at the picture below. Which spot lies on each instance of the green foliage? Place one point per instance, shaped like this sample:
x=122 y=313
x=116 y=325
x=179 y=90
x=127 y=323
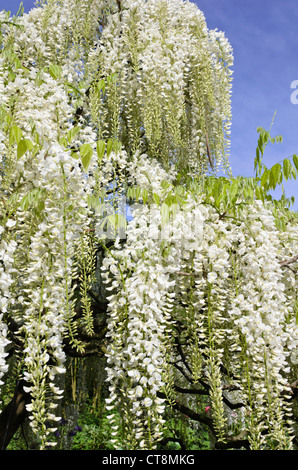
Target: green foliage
x=55 y=71
x=86 y=155
x=23 y=146
x=269 y=178
x=95 y=432
x=180 y=433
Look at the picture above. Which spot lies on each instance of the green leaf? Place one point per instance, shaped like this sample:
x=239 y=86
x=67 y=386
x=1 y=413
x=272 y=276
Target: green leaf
x=265 y=178
x=280 y=224
x=295 y=161
x=117 y=145
x=275 y=175
x=29 y=144
x=165 y=213
x=112 y=78
x=179 y=190
x=287 y=169
x=101 y=84
x=144 y=195
x=100 y=148
x=75 y=155
x=134 y=192
x=130 y=193
x=259 y=193
x=93 y=201
x=165 y=184
x=234 y=189
x=23 y=146
x=78 y=92
x=72 y=133
x=138 y=193
x=109 y=147
x=175 y=207
x=5 y=116
x=15 y=135
x=55 y=71
x=63 y=141
x=261 y=144
x=156 y=198
x=86 y=153
x=38 y=79
x=33 y=199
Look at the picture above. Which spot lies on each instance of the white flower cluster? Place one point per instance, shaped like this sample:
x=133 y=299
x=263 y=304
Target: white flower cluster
x=54 y=34
x=151 y=78
x=266 y=320
x=138 y=317
x=44 y=212
x=148 y=174
x=137 y=366
x=46 y=281
x=6 y=279
x=173 y=87
x=223 y=281
x=148 y=290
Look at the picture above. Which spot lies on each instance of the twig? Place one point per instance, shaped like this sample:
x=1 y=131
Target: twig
x=208 y=152
x=289 y=261
x=192 y=391
x=183 y=273
x=119 y=8
x=200 y=417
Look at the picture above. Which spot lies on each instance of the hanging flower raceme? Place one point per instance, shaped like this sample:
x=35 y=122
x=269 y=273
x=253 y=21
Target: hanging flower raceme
x=139 y=312
x=227 y=293
x=44 y=197
x=170 y=96
x=136 y=354
x=150 y=280
x=6 y=299
x=47 y=281
x=267 y=328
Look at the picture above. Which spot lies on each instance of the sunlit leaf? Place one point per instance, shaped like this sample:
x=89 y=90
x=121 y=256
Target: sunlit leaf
x=100 y=149
x=15 y=135
x=55 y=71
x=86 y=153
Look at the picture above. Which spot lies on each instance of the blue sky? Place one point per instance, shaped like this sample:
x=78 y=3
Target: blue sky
x=263 y=34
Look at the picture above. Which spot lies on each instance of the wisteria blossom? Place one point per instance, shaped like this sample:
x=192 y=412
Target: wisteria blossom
x=106 y=104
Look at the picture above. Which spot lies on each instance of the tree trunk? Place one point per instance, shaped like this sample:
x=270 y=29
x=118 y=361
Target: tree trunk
x=13 y=415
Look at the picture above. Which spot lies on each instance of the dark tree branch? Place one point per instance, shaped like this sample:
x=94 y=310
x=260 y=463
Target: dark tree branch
x=13 y=415
x=119 y=6
x=236 y=442
x=166 y=440
x=191 y=391
x=294 y=388
x=88 y=351
x=200 y=417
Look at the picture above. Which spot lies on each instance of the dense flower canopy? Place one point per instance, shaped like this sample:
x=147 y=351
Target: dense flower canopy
x=104 y=103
